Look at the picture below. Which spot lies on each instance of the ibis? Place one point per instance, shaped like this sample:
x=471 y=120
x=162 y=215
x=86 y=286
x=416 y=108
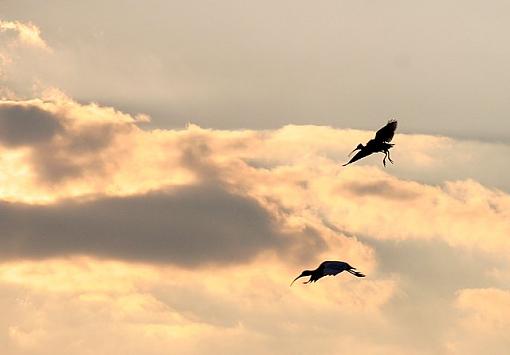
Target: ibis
x=328 y=268
x=380 y=143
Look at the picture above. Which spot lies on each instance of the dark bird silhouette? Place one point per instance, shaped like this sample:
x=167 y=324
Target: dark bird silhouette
x=381 y=143
x=327 y=268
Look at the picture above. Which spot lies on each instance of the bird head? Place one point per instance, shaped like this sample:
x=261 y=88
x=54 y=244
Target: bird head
x=303 y=274
x=359 y=147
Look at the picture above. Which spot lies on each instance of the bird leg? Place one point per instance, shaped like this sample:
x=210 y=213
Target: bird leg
x=389 y=158
x=384 y=160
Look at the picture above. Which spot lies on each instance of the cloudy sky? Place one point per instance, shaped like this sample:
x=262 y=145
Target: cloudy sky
x=167 y=168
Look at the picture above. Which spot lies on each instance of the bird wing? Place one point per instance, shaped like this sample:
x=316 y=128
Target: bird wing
x=334 y=267
x=386 y=133
x=361 y=154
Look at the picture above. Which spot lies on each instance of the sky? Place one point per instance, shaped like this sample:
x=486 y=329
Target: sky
x=167 y=168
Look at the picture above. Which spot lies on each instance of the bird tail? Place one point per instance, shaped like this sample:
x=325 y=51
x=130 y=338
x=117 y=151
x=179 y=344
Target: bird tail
x=356 y=273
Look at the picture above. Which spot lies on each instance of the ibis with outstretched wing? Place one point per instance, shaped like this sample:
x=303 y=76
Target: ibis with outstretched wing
x=328 y=268
x=380 y=143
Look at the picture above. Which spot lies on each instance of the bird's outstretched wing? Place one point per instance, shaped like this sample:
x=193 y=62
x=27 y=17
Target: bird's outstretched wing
x=361 y=154
x=356 y=273
x=386 y=133
x=334 y=267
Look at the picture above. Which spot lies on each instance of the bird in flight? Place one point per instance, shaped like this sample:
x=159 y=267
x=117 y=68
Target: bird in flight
x=380 y=143
x=327 y=268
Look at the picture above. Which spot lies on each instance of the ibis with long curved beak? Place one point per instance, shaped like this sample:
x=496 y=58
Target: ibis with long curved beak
x=328 y=268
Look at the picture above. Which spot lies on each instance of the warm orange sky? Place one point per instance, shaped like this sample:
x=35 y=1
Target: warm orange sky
x=125 y=231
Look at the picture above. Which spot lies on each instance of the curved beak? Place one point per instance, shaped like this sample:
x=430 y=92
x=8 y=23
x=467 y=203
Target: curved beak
x=295 y=280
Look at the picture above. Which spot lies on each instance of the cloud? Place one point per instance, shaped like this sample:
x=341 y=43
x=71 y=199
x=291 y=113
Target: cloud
x=486 y=309
x=220 y=222
x=482 y=323
x=63 y=137
x=172 y=241
x=429 y=274
x=173 y=309
x=86 y=149
x=382 y=188
x=27 y=33
x=186 y=226
x=22 y=125
x=15 y=38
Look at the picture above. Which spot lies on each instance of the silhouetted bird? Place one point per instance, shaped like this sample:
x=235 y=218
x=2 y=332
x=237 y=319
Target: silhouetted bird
x=381 y=143
x=328 y=268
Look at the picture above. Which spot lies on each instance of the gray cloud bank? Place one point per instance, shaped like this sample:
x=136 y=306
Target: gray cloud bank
x=187 y=226
x=26 y=125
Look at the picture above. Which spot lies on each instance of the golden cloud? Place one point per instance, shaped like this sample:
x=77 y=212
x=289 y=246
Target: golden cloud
x=27 y=33
x=185 y=237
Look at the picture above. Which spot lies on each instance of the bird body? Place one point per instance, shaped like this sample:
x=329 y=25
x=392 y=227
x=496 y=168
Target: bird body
x=328 y=268
x=380 y=143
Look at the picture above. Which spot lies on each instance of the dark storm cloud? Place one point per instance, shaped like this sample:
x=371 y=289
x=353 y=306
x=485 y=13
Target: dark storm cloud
x=22 y=125
x=187 y=226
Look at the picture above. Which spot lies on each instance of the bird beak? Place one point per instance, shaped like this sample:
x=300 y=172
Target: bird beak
x=295 y=280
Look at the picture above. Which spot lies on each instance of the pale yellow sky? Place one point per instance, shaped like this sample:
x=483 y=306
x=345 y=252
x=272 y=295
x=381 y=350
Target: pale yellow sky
x=126 y=231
